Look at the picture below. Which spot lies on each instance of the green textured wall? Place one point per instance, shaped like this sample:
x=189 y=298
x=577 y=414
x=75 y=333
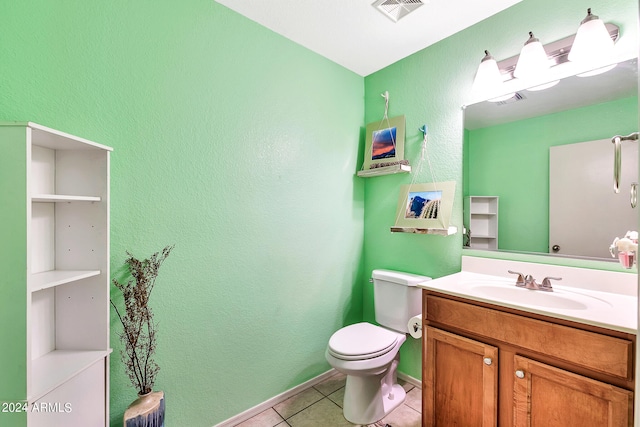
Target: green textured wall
x=430 y=87
x=235 y=144
x=522 y=150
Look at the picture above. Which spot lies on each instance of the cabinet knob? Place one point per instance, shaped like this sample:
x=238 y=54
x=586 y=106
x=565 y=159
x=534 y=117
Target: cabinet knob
x=487 y=361
x=519 y=374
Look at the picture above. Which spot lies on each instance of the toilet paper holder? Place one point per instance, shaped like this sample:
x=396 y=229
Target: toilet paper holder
x=414 y=326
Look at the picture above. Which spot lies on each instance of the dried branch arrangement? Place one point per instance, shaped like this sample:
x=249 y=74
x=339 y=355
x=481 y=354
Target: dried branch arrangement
x=139 y=329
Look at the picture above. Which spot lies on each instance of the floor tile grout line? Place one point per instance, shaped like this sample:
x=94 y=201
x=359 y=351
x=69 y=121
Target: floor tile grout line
x=301 y=410
x=334 y=403
x=325 y=395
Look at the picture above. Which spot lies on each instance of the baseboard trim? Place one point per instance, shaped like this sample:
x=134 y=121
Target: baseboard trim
x=411 y=380
x=237 y=419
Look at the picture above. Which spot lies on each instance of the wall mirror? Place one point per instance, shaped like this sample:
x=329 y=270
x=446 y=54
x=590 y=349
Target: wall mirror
x=538 y=168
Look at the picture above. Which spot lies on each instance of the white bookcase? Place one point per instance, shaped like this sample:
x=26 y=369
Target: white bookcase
x=66 y=293
x=482 y=220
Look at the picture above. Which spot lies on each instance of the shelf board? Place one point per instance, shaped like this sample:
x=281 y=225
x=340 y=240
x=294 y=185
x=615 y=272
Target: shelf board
x=387 y=170
x=484 y=213
x=59 y=198
x=484 y=237
x=55 y=368
x=49 y=279
x=438 y=231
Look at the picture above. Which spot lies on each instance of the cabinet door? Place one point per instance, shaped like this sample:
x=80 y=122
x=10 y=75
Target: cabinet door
x=460 y=381
x=545 y=396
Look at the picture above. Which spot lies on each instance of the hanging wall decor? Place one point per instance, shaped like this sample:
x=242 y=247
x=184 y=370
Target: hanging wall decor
x=425 y=207
x=384 y=143
x=384 y=149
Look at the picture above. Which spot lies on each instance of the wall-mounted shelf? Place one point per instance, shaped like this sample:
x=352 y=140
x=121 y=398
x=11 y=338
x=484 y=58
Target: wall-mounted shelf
x=387 y=170
x=438 y=231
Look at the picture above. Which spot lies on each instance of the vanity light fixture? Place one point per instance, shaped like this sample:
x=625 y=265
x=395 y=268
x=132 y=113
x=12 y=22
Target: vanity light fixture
x=548 y=57
x=593 y=43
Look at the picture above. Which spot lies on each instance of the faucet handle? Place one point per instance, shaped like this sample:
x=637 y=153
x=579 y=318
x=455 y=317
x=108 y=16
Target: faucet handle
x=520 y=280
x=546 y=284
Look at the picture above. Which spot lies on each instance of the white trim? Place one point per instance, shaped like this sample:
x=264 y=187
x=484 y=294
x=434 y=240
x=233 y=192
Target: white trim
x=237 y=419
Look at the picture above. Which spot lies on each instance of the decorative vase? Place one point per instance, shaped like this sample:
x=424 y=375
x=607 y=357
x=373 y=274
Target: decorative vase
x=146 y=411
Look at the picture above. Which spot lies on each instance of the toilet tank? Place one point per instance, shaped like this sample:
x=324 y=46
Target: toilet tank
x=396 y=298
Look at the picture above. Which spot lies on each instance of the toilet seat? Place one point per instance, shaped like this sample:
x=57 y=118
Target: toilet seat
x=362 y=341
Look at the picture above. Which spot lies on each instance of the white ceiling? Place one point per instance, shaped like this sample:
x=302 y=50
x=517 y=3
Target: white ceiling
x=357 y=36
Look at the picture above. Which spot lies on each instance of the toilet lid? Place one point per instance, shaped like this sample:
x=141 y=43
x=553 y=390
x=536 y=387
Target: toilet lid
x=362 y=341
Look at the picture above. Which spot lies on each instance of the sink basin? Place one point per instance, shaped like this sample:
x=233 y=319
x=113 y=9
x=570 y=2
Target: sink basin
x=558 y=299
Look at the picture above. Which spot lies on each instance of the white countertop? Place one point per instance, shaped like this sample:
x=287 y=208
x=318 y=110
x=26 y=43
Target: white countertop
x=605 y=302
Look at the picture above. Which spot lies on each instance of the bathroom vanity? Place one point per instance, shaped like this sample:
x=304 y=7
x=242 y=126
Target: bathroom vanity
x=495 y=354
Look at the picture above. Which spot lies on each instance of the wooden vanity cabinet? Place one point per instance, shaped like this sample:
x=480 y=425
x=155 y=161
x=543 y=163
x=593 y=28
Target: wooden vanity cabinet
x=485 y=365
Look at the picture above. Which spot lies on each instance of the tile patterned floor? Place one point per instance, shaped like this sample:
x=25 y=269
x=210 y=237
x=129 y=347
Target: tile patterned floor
x=321 y=406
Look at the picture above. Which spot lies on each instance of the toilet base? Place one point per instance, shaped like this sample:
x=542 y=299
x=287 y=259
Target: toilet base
x=370 y=398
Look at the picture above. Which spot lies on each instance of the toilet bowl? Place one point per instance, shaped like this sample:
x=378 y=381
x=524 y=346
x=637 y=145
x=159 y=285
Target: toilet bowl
x=371 y=390
x=368 y=354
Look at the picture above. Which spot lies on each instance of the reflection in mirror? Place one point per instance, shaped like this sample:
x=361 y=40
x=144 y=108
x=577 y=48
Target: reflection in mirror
x=547 y=158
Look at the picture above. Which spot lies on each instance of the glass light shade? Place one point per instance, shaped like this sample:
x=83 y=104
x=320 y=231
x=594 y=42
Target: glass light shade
x=593 y=44
x=488 y=81
x=533 y=60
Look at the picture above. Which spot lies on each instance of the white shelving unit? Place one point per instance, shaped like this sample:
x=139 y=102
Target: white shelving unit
x=482 y=220
x=67 y=280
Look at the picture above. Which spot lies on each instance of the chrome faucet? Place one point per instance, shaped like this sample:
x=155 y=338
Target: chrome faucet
x=528 y=282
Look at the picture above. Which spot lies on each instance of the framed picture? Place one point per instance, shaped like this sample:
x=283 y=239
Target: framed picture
x=424 y=206
x=384 y=142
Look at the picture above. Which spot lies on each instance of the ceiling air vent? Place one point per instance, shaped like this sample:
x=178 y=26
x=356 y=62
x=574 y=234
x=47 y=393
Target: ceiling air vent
x=397 y=9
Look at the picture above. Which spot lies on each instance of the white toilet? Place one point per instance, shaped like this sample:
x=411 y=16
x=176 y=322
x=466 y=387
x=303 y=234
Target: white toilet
x=369 y=354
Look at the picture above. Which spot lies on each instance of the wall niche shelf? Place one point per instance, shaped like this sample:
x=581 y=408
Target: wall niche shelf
x=387 y=170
